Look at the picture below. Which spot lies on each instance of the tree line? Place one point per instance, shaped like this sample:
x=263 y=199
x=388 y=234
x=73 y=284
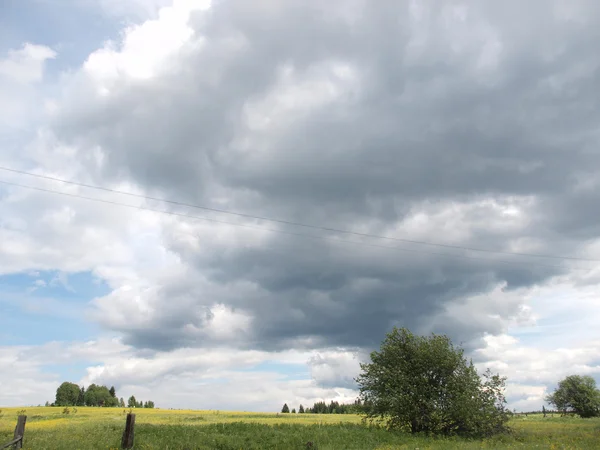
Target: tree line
x=332 y=407
x=70 y=394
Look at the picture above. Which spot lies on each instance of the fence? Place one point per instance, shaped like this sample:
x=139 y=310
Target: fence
x=17 y=442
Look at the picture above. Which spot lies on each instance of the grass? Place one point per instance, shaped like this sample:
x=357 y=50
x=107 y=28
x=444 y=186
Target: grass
x=101 y=428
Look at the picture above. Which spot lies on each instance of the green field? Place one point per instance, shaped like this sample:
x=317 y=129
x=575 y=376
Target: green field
x=101 y=428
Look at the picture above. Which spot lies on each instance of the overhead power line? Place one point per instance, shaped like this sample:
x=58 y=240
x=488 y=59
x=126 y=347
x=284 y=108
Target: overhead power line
x=299 y=224
x=309 y=236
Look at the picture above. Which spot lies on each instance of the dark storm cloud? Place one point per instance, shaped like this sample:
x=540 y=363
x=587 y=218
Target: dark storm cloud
x=404 y=110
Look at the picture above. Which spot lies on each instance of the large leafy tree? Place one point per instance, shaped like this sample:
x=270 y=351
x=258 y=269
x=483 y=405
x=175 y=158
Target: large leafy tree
x=576 y=394
x=96 y=395
x=67 y=394
x=425 y=384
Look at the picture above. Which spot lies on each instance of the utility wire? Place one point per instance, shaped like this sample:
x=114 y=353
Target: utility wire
x=298 y=224
x=310 y=236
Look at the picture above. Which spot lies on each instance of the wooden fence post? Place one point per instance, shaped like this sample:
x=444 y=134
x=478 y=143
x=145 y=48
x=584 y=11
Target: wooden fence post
x=20 y=431
x=127 y=441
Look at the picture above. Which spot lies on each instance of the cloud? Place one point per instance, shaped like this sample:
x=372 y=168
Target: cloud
x=336 y=368
x=470 y=124
x=362 y=121
x=26 y=65
x=533 y=372
x=219 y=378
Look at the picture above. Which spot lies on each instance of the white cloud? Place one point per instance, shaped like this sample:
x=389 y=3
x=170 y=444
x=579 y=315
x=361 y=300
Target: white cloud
x=26 y=65
x=146 y=49
x=218 y=378
x=533 y=371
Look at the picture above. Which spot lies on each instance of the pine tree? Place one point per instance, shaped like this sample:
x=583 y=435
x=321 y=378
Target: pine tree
x=112 y=391
x=285 y=408
x=301 y=409
x=293 y=410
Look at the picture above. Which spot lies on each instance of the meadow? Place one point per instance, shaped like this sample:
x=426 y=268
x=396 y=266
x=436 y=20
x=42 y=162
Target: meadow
x=101 y=428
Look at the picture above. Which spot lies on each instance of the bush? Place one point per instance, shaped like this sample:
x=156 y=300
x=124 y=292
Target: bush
x=425 y=385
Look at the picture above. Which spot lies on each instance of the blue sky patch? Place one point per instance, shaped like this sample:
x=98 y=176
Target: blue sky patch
x=71 y=28
x=291 y=371
x=36 y=305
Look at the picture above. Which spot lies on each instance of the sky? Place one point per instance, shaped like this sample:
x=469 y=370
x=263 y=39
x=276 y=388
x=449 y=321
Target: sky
x=333 y=169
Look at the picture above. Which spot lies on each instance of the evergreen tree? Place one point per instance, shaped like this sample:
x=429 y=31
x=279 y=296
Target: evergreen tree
x=122 y=402
x=293 y=410
x=301 y=409
x=285 y=408
x=132 y=402
x=112 y=392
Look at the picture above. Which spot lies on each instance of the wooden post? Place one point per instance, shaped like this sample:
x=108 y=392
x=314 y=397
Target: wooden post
x=127 y=441
x=20 y=431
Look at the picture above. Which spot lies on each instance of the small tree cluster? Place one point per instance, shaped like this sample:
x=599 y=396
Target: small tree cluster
x=100 y=396
x=70 y=394
x=133 y=403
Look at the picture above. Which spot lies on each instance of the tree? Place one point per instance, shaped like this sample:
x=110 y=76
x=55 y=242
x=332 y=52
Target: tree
x=131 y=402
x=149 y=404
x=81 y=398
x=96 y=395
x=67 y=394
x=576 y=394
x=301 y=410
x=293 y=410
x=425 y=384
x=122 y=402
x=285 y=408
x=112 y=392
